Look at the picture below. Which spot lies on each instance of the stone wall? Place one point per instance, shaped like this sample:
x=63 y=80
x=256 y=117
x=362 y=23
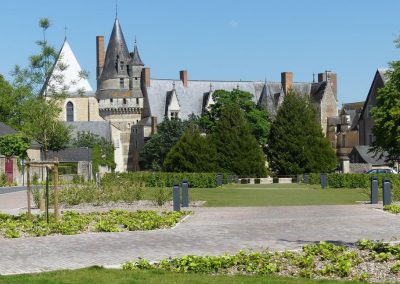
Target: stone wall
x=359 y=168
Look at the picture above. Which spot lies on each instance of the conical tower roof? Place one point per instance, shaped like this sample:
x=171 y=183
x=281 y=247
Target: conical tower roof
x=136 y=57
x=117 y=51
x=67 y=73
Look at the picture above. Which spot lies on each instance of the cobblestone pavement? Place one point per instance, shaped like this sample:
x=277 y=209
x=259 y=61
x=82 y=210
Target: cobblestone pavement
x=207 y=231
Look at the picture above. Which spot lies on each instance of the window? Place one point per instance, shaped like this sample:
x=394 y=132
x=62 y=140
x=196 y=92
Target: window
x=111 y=100
x=343 y=140
x=121 y=66
x=70 y=111
x=121 y=83
x=137 y=101
x=124 y=101
x=136 y=78
x=174 y=114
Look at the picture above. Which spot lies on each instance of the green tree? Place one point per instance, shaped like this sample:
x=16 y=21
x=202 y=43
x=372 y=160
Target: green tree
x=386 y=115
x=102 y=150
x=192 y=153
x=156 y=149
x=237 y=149
x=296 y=143
x=257 y=117
x=14 y=145
x=41 y=94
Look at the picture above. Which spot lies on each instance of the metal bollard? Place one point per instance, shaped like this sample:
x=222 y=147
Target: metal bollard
x=306 y=179
x=219 y=180
x=176 y=197
x=324 y=180
x=387 y=192
x=374 y=190
x=229 y=179
x=185 y=193
x=237 y=179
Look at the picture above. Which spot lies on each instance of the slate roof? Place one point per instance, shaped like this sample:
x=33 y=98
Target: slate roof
x=6 y=130
x=136 y=57
x=101 y=128
x=362 y=151
x=71 y=155
x=192 y=98
x=116 y=48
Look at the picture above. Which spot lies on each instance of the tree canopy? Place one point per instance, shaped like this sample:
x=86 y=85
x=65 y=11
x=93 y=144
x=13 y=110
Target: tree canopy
x=386 y=115
x=257 y=117
x=296 y=142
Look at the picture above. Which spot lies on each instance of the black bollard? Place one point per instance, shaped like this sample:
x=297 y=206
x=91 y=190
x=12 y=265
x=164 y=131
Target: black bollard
x=387 y=192
x=306 y=179
x=219 y=180
x=324 y=180
x=374 y=190
x=185 y=193
x=229 y=179
x=176 y=197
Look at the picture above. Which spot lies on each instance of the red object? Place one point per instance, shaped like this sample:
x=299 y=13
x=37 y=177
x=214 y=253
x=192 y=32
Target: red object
x=9 y=169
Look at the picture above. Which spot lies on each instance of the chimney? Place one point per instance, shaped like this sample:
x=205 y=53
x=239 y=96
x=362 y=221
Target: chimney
x=287 y=81
x=146 y=77
x=153 y=125
x=331 y=78
x=184 y=77
x=100 y=55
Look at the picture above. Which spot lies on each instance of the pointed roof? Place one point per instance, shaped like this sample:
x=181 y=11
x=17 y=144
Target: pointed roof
x=116 y=49
x=67 y=73
x=136 y=57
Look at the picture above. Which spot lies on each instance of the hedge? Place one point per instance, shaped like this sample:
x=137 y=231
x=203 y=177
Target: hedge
x=358 y=181
x=195 y=180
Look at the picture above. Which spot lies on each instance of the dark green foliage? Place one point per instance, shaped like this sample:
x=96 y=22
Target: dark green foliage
x=156 y=149
x=296 y=143
x=255 y=116
x=14 y=145
x=192 y=153
x=102 y=150
x=159 y=179
x=386 y=116
x=237 y=149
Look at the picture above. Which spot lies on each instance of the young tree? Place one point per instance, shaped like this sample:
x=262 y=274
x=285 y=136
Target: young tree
x=156 y=149
x=15 y=145
x=192 y=153
x=39 y=118
x=237 y=149
x=296 y=143
x=257 y=117
x=386 y=115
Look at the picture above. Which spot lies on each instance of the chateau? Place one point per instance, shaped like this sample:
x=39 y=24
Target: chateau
x=128 y=104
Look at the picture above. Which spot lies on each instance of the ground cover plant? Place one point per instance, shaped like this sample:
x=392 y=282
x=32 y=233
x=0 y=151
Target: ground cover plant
x=74 y=223
x=367 y=260
x=99 y=275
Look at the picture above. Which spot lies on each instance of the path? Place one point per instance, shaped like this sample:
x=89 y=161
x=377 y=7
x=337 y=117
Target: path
x=208 y=231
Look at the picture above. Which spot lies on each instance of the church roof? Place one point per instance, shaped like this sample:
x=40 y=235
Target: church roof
x=116 y=49
x=67 y=74
x=136 y=57
x=101 y=128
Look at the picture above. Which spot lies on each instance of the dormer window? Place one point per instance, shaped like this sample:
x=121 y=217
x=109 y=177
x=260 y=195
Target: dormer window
x=174 y=115
x=121 y=66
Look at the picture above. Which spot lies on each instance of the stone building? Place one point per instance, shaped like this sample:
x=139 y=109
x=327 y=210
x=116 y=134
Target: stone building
x=133 y=103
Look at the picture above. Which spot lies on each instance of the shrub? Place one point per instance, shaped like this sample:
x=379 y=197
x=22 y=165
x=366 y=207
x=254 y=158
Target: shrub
x=161 y=196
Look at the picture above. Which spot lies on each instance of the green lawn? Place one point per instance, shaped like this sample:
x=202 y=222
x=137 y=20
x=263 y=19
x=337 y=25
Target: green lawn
x=273 y=195
x=99 y=275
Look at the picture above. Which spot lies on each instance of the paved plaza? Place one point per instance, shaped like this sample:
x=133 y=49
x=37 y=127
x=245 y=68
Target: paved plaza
x=207 y=231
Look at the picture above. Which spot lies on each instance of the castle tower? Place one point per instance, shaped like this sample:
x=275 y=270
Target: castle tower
x=119 y=88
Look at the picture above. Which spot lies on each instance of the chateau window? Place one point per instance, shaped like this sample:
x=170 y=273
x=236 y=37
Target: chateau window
x=121 y=83
x=124 y=101
x=136 y=78
x=137 y=101
x=70 y=111
x=111 y=100
x=121 y=66
x=174 y=114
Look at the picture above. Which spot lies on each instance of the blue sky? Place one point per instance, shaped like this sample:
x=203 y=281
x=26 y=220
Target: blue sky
x=219 y=39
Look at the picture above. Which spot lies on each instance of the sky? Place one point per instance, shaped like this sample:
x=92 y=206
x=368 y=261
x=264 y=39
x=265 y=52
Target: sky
x=218 y=39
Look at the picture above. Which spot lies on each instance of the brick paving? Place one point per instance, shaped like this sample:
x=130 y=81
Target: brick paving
x=207 y=231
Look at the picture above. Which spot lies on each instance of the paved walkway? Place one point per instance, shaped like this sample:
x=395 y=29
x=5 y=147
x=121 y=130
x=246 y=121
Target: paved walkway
x=208 y=231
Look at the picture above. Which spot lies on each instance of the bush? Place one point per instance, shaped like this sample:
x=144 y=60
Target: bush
x=161 y=196
x=162 y=179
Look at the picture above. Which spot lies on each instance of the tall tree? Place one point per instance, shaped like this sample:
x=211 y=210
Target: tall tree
x=257 y=117
x=192 y=153
x=386 y=115
x=237 y=149
x=296 y=143
x=156 y=149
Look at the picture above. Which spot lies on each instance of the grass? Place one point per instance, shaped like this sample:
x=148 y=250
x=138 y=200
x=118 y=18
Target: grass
x=100 y=275
x=274 y=195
